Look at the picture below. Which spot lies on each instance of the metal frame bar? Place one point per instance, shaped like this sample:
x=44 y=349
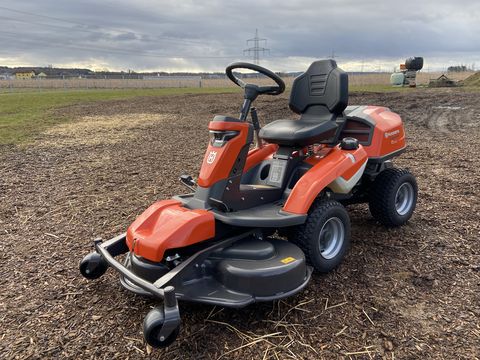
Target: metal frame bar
x=117 y=246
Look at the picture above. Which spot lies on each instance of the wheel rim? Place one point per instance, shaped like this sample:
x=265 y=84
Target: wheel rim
x=331 y=238
x=404 y=199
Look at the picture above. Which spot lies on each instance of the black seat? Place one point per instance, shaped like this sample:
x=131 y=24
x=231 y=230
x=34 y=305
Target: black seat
x=320 y=95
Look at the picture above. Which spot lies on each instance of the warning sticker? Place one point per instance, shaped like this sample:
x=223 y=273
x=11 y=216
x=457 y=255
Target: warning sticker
x=287 y=260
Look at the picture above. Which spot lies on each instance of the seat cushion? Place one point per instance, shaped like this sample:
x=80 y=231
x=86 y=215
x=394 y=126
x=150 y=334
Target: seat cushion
x=298 y=133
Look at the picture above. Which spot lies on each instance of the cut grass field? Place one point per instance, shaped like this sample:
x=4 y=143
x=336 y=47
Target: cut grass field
x=25 y=114
x=22 y=115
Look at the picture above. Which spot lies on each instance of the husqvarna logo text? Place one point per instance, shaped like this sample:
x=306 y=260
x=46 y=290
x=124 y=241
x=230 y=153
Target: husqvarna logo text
x=393 y=133
x=211 y=157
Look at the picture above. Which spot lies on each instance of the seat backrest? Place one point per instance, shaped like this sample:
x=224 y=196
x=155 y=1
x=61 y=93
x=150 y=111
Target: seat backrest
x=320 y=91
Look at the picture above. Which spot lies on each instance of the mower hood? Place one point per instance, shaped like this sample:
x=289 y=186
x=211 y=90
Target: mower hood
x=167 y=225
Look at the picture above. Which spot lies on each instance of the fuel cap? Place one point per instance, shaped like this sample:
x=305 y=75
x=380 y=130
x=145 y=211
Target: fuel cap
x=349 y=143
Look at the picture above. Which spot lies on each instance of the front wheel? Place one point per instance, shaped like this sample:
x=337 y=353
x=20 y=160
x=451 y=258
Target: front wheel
x=93 y=266
x=152 y=325
x=393 y=197
x=325 y=236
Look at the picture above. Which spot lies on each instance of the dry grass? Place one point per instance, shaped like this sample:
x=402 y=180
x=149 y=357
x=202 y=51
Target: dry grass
x=91 y=130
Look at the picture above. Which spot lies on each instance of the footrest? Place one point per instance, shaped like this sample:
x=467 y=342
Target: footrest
x=269 y=215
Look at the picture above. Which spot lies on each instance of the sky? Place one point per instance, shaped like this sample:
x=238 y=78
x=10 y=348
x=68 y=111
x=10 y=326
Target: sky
x=206 y=35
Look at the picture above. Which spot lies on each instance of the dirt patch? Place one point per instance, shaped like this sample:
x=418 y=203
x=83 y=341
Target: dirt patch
x=405 y=293
x=92 y=130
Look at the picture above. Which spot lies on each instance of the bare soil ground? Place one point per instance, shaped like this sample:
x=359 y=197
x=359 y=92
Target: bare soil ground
x=407 y=293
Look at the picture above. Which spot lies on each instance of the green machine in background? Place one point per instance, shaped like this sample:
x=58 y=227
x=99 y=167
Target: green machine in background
x=407 y=74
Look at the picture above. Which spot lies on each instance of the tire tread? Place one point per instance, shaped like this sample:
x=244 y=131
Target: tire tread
x=380 y=196
x=303 y=234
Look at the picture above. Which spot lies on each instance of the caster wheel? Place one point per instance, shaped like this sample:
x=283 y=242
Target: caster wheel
x=151 y=329
x=93 y=266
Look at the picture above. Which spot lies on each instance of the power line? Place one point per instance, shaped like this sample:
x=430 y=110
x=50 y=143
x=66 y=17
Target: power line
x=107 y=49
x=90 y=26
x=76 y=29
x=42 y=16
x=256 y=49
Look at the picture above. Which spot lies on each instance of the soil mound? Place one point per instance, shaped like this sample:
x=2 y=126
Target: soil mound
x=472 y=80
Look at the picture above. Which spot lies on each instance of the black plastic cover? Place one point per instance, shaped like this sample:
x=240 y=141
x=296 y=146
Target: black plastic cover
x=248 y=249
x=323 y=84
x=320 y=95
x=414 y=63
x=349 y=143
x=281 y=272
x=298 y=133
x=146 y=269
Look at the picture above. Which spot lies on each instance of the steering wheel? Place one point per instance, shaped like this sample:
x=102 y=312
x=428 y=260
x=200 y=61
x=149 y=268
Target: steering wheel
x=269 y=89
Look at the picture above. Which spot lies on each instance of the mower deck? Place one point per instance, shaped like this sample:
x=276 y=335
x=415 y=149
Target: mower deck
x=222 y=274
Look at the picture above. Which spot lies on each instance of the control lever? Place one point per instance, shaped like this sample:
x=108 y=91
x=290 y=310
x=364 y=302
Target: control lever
x=256 y=127
x=188 y=181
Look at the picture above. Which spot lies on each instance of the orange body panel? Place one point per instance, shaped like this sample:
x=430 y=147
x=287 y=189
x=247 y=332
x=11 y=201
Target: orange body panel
x=320 y=154
x=166 y=225
x=219 y=161
x=257 y=155
x=348 y=174
x=388 y=135
x=326 y=168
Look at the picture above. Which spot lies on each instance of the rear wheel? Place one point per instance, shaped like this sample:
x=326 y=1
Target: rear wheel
x=393 y=197
x=325 y=236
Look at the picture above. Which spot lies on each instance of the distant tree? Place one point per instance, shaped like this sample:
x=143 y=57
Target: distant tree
x=457 y=68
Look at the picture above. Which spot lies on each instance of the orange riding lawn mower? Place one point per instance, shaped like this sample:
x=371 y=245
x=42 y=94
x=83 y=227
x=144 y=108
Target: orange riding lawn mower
x=216 y=244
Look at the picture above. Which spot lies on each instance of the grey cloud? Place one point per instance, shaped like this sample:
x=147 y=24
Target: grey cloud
x=125 y=36
x=206 y=35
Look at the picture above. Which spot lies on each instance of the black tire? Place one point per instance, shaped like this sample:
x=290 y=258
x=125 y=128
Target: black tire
x=93 y=266
x=386 y=202
x=313 y=235
x=151 y=329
